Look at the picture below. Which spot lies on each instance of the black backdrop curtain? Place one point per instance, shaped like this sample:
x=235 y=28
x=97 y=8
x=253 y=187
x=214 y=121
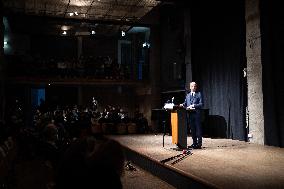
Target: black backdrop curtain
x=218 y=58
x=272 y=29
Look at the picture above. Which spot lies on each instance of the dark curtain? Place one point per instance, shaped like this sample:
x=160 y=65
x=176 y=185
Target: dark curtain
x=272 y=30
x=218 y=58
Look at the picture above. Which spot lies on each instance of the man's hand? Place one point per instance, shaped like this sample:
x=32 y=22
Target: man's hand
x=191 y=107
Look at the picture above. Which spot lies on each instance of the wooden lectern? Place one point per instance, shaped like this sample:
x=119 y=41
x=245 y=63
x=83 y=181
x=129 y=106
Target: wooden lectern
x=179 y=127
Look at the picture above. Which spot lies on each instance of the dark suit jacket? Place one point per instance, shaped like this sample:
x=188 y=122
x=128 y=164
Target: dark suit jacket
x=197 y=100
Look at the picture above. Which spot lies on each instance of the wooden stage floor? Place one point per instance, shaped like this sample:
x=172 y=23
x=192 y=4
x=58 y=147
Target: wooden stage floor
x=221 y=163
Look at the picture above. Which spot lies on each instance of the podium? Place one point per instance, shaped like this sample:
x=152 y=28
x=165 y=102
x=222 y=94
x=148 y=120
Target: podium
x=179 y=127
x=177 y=119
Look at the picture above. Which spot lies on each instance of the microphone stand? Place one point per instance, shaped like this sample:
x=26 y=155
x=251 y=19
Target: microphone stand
x=164 y=127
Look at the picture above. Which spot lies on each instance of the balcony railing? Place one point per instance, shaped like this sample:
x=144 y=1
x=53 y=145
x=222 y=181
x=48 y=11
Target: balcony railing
x=75 y=70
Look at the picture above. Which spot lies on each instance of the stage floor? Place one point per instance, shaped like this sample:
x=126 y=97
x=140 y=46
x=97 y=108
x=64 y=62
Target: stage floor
x=222 y=163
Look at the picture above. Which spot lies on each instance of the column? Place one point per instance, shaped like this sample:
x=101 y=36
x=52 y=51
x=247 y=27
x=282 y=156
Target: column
x=254 y=72
x=79 y=46
x=2 y=91
x=80 y=95
x=155 y=73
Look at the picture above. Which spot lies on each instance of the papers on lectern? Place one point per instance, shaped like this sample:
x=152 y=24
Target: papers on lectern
x=169 y=106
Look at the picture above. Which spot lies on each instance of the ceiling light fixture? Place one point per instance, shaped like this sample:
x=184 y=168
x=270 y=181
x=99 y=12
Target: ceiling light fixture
x=71 y=14
x=5 y=42
x=64 y=33
x=93 y=32
x=76 y=13
x=122 y=33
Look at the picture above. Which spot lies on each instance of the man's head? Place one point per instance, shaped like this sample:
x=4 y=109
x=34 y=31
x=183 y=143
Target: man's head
x=193 y=86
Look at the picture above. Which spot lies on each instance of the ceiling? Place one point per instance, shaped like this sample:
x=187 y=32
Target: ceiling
x=106 y=16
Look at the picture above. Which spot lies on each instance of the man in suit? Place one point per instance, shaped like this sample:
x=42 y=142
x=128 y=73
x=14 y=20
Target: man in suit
x=194 y=102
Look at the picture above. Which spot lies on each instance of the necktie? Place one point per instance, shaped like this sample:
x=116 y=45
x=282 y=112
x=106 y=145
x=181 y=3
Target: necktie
x=191 y=98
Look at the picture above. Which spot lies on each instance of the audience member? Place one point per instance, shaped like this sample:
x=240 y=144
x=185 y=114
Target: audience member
x=92 y=163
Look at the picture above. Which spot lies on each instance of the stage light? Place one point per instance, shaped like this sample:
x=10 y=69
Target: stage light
x=65 y=28
x=122 y=33
x=64 y=33
x=71 y=14
x=93 y=32
x=76 y=13
x=48 y=84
